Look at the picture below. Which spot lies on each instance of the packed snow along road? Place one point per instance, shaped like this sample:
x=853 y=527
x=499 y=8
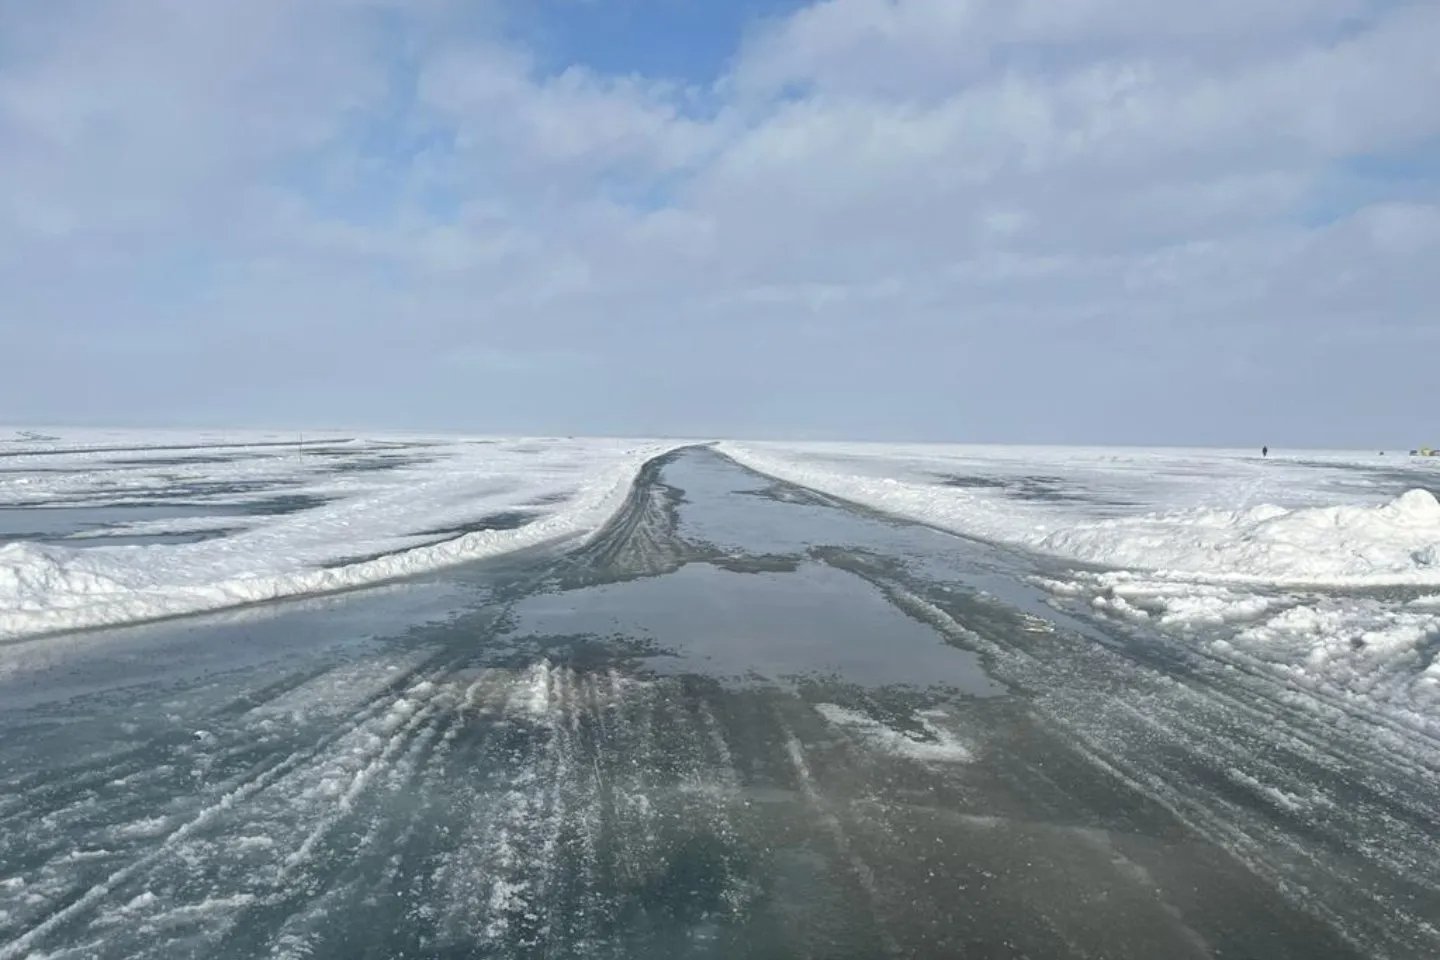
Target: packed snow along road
x=745 y=719
x=109 y=527
x=1320 y=519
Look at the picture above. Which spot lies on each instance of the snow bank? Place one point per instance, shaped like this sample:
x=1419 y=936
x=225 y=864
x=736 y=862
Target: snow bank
x=1359 y=544
x=1372 y=650
x=569 y=488
x=1388 y=544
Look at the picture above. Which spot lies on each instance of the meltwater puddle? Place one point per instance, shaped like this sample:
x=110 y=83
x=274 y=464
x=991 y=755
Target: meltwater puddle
x=816 y=621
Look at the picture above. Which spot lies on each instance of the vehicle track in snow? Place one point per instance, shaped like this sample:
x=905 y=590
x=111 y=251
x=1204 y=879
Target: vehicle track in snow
x=744 y=720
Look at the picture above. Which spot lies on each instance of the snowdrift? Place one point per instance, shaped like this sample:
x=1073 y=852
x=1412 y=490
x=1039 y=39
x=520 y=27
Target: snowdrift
x=1391 y=543
x=48 y=587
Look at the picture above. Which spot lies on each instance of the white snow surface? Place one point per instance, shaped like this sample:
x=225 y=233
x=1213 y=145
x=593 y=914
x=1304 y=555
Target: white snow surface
x=285 y=515
x=1216 y=516
x=1319 y=569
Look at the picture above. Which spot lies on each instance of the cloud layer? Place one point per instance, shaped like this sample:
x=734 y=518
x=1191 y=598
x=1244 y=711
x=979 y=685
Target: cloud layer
x=1100 y=220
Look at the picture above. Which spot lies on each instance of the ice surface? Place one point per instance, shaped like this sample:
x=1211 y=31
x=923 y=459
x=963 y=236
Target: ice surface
x=460 y=782
x=285 y=517
x=1216 y=516
x=1318 y=568
x=934 y=744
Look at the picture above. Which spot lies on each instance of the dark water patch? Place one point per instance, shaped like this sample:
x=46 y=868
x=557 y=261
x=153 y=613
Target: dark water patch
x=970 y=483
x=58 y=524
x=377 y=464
x=761 y=563
x=1046 y=491
x=55 y=522
x=501 y=520
x=175 y=446
x=182 y=492
x=1037 y=488
x=185 y=461
x=149 y=539
x=21 y=471
x=550 y=499
x=320 y=450
x=137 y=505
x=279 y=505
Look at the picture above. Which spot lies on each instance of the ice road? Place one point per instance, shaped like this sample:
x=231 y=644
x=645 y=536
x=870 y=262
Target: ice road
x=746 y=720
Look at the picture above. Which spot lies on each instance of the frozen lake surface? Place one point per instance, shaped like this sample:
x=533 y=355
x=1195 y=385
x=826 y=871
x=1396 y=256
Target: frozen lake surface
x=745 y=719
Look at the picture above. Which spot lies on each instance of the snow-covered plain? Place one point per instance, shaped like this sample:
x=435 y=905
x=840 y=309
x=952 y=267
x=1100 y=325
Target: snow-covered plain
x=103 y=527
x=1322 y=568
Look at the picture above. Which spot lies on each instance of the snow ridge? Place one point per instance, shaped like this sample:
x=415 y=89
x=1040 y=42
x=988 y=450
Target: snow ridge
x=1396 y=542
x=48 y=587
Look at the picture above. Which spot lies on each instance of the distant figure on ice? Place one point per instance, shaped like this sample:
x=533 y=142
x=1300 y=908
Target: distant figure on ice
x=1264 y=451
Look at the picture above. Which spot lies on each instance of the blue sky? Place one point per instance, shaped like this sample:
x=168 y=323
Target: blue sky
x=999 y=220
x=689 y=42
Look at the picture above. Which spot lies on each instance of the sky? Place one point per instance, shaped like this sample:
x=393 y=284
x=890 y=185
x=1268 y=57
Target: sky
x=1062 y=221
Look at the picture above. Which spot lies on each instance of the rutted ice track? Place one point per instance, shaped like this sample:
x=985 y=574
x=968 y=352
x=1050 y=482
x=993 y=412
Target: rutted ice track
x=566 y=758
x=489 y=809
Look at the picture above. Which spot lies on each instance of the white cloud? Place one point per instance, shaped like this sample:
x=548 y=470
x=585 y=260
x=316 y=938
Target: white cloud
x=132 y=115
x=508 y=119
x=872 y=178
